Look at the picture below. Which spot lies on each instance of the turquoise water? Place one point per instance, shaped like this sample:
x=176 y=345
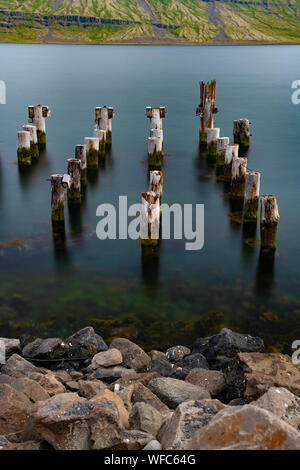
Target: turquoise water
x=176 y=295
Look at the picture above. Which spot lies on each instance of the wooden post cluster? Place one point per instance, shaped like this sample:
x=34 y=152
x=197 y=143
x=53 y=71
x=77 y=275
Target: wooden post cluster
x=155 y=141
x=37 y=116
x=103 y=121
x=244 y=185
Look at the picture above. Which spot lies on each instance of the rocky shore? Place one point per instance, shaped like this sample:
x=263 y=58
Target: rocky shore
x=81 y=394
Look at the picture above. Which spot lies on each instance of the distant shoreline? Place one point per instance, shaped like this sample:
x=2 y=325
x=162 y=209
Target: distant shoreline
x=156 y=43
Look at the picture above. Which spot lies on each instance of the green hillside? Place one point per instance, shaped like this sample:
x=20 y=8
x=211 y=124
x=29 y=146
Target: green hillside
x=150 y=21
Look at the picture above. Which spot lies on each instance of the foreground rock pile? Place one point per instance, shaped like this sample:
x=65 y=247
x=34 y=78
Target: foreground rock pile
x=81 y=394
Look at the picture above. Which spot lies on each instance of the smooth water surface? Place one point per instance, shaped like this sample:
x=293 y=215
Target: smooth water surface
x=57 y=286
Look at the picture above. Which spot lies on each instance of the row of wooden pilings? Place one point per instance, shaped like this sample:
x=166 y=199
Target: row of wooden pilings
x=232 y=167
x=86 y=158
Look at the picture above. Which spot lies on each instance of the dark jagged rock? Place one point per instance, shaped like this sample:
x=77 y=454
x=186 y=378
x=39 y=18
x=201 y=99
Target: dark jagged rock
x=85 y=343
x=52 y=348
x=193 y=361
x=227 y=343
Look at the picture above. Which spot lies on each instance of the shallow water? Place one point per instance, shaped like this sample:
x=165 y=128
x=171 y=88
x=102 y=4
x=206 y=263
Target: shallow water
x=54 y=288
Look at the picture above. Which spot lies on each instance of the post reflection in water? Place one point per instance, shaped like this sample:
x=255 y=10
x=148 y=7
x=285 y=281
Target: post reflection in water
x=150 y=264
x=75 y=218
x=61 y=253
x=249 y=240
x=265 y=274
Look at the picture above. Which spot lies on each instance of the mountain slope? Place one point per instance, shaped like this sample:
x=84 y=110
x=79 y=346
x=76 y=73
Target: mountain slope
x=196 y=21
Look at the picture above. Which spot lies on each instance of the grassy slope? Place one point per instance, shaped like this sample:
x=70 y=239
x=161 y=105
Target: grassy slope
x=199 y=21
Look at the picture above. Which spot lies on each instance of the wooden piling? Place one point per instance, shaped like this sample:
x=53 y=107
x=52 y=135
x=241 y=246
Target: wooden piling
x=57 y=198
x=150 y=216
x=206 y=109
x=103 y=121
x=156 y=183
x=23 y=148
x=251 y=196
x=241 y=132
x=221 y=150
x=37 y=115
x=239 y=168
x=156 y=116
x=212 y=135
x=34 y=148
x=92 y=152
x=269 y=218
x=101 y=135
x=80 y=154
x=155 y=153
x=231 y=152
x=74 y=191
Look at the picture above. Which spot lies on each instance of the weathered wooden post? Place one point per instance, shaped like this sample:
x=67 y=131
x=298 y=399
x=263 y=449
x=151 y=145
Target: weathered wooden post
x=80 y=154
x=156 y=183
x=221 y=151
x=37 y=115
x=212 y=135
x=57 y=198
x=156 y=116
x=23 y=148
x=103 y=121
x=231 y=152
x=251 y=196
x=92 y=152
x=74 y=191
x=101 y=135
x=155 y=153
x=150 y=215
x=34 y=148
x=269 y=218
x=239 y=168
x=241 y=132
x=206 y=109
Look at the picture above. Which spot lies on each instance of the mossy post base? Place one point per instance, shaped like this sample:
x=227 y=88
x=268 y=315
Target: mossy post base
x=221 y=151
x=34 y=150
x=42 y=142
x=92 y=152
x=24 y=156
x=269 y=218
x=108 y=141
x=23 y=146
x=239 y=168
x=155 y=160
x=212 y=137
x=80 y=154
x=74 y=190
x=34 y=147
x=203 y=140
x=251 y=196
x=231 y=152
x=57 y=199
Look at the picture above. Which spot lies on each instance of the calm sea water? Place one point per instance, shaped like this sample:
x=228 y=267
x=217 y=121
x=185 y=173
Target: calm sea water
x=51 y=288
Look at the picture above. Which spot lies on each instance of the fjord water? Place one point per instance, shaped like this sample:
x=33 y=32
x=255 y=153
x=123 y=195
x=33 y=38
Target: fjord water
x=53 y=287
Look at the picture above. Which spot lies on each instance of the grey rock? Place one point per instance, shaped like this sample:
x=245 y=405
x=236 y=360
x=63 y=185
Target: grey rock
x=90 y=388
x=212 y=380
x=153 y=445
x=133 y=356
x=145 y=418
x=154 y=354
x=3 y=442
x=11 y=346
x=110 y=374
x=17 y=363
x=85 y=343
x=176 y=353
x=186 y=420
x=281 y=403
x=51 y=348
x=193 y=361
x=111 y=357
x=172 y=392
